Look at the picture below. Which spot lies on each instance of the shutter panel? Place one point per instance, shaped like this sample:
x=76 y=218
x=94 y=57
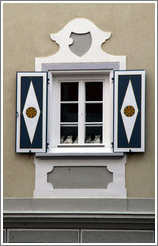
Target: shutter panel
x=129 y=111
x=31 y=112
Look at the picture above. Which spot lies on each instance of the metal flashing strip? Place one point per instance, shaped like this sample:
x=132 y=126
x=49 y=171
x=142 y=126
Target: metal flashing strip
x=80 y=66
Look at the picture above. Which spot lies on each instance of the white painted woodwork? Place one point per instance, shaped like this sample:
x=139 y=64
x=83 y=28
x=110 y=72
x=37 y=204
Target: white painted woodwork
x=54 y=106
x=94 y=55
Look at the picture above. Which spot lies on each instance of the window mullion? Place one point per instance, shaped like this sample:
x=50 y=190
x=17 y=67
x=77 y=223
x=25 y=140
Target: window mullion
x=81 y=114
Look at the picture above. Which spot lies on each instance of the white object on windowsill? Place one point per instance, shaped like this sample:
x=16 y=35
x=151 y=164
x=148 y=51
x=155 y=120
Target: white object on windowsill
x=97 y=139
x=68 y=140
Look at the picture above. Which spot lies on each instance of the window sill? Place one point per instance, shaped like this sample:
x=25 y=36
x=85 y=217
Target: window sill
x=81 y=145
x=80 y=152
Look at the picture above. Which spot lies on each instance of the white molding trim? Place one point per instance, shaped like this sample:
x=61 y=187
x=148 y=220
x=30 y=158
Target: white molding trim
x=43 y=189
x=66 y=59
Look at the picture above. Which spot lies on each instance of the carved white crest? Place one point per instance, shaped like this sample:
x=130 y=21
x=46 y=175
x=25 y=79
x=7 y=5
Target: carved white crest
x=80 y=26
x=74 y=34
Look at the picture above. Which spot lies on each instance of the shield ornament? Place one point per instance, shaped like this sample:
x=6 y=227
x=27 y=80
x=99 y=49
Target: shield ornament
x=81 y=43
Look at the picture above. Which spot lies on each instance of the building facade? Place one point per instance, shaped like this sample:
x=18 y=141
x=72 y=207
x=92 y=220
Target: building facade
x=79 y=168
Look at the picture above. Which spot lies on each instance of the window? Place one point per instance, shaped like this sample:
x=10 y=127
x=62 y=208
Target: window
x=80 y=112
x=80 y=106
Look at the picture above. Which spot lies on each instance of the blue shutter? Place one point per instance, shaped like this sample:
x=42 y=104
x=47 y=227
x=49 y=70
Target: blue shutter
x=31 y=112
x=129 y=111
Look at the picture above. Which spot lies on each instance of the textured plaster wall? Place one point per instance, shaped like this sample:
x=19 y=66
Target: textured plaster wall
x=26 y=35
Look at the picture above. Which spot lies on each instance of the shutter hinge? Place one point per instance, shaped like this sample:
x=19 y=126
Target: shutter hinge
x=47 y=145
x=112 y=80
x=48 y=81
x=17 y=114
x=112 y=144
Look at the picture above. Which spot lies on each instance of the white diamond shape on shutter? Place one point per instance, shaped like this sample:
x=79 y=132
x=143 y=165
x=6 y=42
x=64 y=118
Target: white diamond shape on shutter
x=129 y=103
x=31 y=117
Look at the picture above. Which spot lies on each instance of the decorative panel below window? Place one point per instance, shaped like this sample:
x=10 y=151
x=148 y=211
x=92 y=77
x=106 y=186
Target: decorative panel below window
x=31 y=112
x=129 y=111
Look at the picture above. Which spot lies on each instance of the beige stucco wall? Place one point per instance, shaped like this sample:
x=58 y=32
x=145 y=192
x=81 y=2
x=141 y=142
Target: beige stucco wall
x=26 y=36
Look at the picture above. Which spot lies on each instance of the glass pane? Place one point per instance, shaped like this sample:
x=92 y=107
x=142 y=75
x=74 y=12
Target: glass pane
x=69 y=134
x=94 y=112
x=69 y=91
x=94 y=91
x=69 y=112
x=93 y=134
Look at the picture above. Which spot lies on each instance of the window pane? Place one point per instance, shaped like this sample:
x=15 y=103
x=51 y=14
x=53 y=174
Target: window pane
x=93 y=134
x=69 y=134
x=94 y=112
x=69 y=112
x=69 y=91
x=94 y=91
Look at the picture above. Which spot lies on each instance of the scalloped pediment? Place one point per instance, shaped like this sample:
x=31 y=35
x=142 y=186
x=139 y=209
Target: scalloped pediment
x=80 y=41
x=82 y=30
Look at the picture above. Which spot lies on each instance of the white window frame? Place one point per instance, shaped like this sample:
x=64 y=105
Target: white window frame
x=53 y=133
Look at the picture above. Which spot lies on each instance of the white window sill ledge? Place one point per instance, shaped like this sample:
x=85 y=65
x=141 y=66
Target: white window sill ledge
x=80 y=152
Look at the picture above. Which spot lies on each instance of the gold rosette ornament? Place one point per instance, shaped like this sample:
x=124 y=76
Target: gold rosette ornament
x=31 y=112
x=129 y=111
